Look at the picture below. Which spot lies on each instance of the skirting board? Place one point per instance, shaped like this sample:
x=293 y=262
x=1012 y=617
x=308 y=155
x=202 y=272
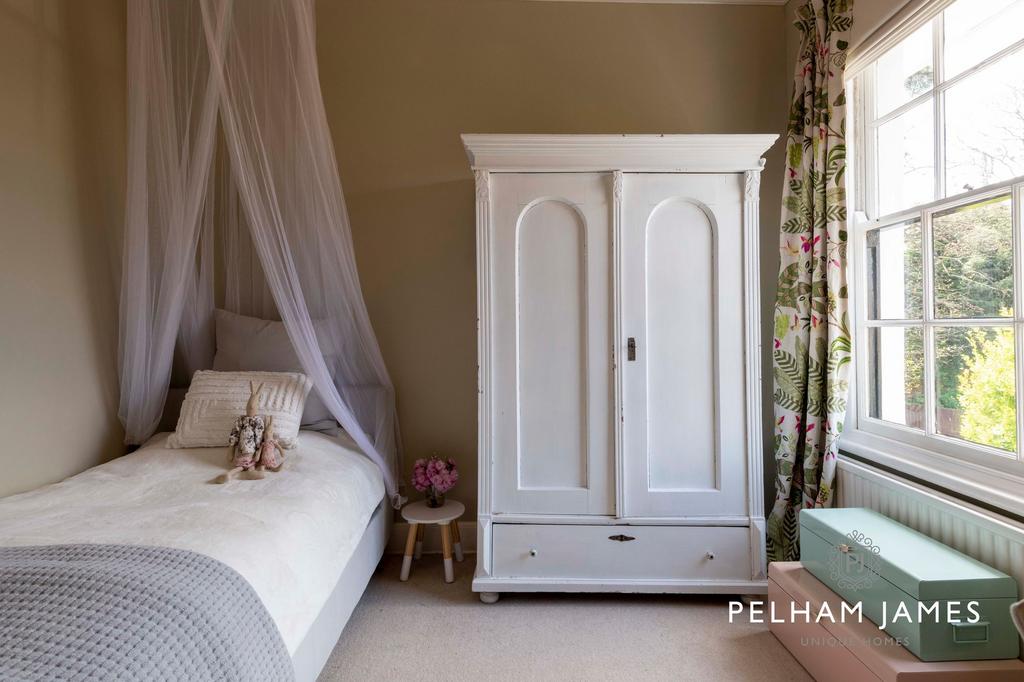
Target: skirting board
x=653 y=586
x=431 y=538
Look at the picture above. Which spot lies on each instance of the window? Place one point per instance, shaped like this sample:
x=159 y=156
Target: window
x=938 y=198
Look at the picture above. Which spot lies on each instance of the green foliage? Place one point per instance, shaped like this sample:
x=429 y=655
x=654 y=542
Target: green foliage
x=974 y=260
x=919 y=81
x=973 y=277
x=986 y=391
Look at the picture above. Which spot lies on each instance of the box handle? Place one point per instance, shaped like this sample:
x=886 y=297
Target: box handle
x=970 y=633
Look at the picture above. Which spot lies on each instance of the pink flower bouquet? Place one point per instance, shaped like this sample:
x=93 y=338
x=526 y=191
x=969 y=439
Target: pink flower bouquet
x=435 y=477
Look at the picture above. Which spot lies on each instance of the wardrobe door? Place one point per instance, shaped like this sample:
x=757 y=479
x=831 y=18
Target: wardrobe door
x=552 y=341
x=682 y=344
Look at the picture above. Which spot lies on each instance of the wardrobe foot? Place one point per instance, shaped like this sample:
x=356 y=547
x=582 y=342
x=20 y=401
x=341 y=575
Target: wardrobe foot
x=489 y=597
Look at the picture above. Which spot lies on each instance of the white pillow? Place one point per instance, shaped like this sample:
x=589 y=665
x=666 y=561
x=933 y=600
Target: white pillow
x=216 y=399
x=251 y=344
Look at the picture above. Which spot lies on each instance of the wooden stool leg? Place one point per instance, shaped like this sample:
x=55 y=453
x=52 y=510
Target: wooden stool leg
x=420 y=528
x=457 y=539
x=407 y=559
x=446 y=550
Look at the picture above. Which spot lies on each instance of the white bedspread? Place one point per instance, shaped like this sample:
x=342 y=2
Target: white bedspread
x=290 y=534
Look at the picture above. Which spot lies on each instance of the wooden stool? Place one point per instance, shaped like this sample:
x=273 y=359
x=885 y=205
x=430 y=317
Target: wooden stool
x=419 y=515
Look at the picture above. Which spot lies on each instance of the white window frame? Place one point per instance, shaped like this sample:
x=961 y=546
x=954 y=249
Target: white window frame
x=984 y=473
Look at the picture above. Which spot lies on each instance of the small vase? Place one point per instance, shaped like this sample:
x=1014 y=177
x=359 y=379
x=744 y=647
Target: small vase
x=434 y=499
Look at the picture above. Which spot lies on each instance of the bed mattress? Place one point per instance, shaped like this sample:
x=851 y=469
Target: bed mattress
x=289 y=535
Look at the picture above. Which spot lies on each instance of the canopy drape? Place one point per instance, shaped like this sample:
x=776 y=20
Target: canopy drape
x=229 y=147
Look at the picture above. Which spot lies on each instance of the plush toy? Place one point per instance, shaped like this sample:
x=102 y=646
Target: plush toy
x=246 y=438
x=271 y=455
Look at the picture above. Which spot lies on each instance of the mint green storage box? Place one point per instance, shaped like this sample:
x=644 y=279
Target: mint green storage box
x=869 y=558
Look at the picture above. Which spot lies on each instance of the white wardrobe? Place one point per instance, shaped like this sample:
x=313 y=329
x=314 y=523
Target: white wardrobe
x=619 y=376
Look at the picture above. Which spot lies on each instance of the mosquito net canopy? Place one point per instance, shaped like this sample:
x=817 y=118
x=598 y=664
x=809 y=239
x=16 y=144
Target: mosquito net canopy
x=230 y=161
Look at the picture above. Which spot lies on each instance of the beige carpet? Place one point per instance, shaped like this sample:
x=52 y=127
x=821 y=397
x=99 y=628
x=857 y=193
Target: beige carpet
x=425 y=629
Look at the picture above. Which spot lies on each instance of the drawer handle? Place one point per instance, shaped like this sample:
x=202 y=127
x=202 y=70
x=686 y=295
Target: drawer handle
x=621 y=538
x=970 y=633
x=533 y=552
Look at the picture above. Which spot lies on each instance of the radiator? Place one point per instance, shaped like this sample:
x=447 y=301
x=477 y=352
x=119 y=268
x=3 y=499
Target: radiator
x=988 y=537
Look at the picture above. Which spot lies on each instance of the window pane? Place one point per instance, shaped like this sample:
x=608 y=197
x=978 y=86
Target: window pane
x=973 y=248
x=985 y=126
x=905 y=71
x=976 y=29
x=894 y=272
x=974 y=382
x=906 y=168
x=895 y=364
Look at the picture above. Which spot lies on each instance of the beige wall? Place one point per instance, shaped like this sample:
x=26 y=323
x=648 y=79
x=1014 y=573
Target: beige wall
x=402 y=78
x=62 y=89
x=870 y=15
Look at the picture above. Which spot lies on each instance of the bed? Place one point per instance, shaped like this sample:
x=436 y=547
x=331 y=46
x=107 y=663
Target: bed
x=306 y=539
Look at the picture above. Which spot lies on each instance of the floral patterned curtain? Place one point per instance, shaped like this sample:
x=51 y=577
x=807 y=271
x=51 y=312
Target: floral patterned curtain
x=812 y=334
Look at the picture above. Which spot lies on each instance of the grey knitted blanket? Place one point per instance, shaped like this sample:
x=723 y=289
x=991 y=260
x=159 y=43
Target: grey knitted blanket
x=125 y=612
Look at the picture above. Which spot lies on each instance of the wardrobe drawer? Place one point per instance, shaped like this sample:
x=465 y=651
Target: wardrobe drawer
x=643 y=552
